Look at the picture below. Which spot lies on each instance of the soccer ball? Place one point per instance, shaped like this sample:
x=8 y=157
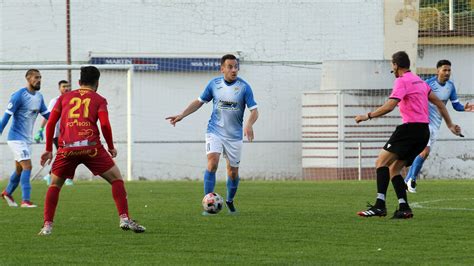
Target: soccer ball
x=212 y=203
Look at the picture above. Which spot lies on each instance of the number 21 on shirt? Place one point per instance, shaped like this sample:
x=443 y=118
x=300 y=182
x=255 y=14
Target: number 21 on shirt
x=78 y=102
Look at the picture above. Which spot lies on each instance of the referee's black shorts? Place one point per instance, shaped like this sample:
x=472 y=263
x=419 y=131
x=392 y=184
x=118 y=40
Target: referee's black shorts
x=408 y=141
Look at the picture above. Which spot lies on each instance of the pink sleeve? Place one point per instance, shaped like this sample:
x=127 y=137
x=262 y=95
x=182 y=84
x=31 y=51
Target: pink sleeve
x=399 y=90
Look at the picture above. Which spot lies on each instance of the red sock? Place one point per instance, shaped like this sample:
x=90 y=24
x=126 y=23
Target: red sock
x=120 y=197
x=50 y=203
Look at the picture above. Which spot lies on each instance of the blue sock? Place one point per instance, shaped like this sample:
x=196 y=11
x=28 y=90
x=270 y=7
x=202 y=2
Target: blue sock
x=232 y=186
x=13 y=184
x=209 y=182
x=25 y=184
x=415 y=168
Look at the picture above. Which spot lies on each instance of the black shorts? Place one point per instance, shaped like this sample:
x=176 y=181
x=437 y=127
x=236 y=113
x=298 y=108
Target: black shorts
x=408 y=141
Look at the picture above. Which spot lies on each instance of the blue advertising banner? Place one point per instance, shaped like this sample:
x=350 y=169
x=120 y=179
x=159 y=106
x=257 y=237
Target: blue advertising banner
x=162 y=64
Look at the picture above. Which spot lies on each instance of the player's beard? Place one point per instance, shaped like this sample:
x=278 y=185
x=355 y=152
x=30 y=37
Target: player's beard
x=37 y=87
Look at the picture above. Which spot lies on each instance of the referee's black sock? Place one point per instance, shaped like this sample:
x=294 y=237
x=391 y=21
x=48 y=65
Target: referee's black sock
x=383 y=179
x=400 y=189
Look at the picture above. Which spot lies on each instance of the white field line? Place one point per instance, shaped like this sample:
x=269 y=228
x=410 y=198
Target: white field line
x=422 y=205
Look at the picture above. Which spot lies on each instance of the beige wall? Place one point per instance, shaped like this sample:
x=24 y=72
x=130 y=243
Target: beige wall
x=401 y=28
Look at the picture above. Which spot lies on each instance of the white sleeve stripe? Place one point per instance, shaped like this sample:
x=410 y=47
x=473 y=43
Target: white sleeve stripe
x=455 y=101
x=253 y=107
x=201 y=100
x=9 y=112
x=45 y=112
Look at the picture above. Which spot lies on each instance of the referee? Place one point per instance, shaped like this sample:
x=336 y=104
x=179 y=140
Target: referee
x=411 y=94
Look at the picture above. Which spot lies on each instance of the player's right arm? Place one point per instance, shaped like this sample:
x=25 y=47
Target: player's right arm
x=53 y=119
x=13 y=105
x=192 y=107
x=4 y=122
x=444 y=113
x=386 y=108
x=205 y=97
x=50 y=128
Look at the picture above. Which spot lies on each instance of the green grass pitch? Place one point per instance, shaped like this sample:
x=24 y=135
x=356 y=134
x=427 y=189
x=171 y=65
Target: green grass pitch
x=279 y=223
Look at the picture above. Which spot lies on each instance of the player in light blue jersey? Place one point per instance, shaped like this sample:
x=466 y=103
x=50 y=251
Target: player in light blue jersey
x=444 y=90
x=63 y=87
x=25 y=105
x=230 y=95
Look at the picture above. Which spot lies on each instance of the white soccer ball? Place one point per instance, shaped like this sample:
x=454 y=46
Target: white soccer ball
x=212 y=203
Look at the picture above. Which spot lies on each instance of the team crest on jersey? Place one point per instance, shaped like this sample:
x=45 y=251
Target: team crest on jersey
x=83 y=92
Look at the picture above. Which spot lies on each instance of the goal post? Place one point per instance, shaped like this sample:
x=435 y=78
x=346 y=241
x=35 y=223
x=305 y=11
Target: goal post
x=129 y=83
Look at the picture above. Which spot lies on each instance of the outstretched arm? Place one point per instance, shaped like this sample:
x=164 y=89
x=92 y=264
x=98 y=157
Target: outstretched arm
x=192 y=107
x=444 y=113
x=457 y=105
x=386 y=108
x=248 y=130
x=468 y=107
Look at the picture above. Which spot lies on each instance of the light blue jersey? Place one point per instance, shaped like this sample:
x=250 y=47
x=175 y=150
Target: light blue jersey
x=24 y=107
x=444 y=92
x=229 y=101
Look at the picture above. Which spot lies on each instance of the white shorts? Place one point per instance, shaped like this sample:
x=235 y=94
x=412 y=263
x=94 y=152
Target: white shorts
x=232 y=150
x=433 y=136
x=21 y=150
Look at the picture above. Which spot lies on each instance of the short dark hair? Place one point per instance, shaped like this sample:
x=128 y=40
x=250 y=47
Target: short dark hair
x=227 y=57
x=62 y=82
x=443 y=62
x=401 y=59
x=89 y=75
x=31 y=71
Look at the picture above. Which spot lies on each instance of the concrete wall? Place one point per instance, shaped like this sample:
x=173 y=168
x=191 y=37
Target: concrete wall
x=401 y=28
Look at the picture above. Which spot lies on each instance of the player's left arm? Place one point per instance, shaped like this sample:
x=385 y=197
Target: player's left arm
x=455 y=129
x=468 y=107
x=45 y=113
x=252 y=106
x=106 y=129
x=457 y=105
x=248 y=130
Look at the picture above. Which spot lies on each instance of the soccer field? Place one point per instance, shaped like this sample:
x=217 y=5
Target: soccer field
x=279 y=223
